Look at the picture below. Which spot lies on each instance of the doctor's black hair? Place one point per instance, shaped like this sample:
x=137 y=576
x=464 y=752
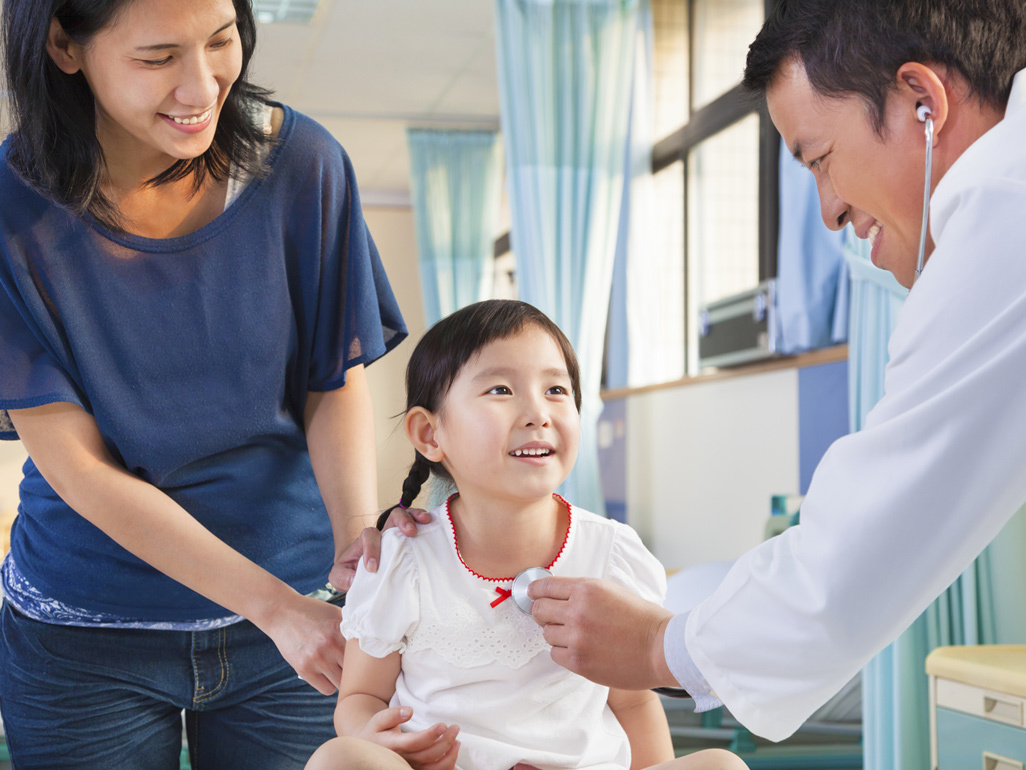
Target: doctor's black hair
x=856 y=46
x=443 y=351
x=53 y=144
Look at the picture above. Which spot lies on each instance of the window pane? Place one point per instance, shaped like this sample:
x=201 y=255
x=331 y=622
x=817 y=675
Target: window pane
x=723 y=31
x=723 y=220
x=669 y=65
x=656 y=286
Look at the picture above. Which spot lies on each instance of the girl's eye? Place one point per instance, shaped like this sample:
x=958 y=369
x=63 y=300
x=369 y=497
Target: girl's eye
x=500 y=390
x=557 y=390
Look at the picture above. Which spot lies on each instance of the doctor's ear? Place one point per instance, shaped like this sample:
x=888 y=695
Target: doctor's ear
x=420 y=430
x=64 y=51
x=922 y=91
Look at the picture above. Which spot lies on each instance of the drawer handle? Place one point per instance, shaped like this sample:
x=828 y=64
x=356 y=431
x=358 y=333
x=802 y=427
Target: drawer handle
x=992 y=761
x=1000 y=708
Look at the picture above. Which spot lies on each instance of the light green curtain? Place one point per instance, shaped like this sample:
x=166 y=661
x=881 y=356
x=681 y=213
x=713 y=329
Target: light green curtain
x=456 y=182
x=986 y=605
x=565 y=74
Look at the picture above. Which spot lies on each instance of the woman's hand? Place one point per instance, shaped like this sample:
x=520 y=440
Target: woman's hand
x=368 y=546
x=434 y=748
x=308 y=636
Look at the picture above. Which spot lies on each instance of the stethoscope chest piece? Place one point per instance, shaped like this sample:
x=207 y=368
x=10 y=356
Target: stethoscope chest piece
x=518 y=591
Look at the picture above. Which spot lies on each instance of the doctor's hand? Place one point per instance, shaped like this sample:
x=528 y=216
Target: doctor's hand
x=434 y=748
x=368 y=546
x=603 y=632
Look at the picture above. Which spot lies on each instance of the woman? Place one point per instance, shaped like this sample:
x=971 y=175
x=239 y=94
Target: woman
x=189 y=296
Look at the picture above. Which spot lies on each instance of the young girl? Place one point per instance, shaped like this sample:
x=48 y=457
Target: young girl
x=437 y=643
x=188 y=295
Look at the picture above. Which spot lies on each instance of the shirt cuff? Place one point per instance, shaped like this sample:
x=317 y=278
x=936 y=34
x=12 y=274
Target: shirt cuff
x=683 y=667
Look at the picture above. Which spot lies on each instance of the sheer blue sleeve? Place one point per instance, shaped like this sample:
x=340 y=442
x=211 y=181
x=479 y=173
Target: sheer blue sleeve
x=358 y=319
x=30 y=372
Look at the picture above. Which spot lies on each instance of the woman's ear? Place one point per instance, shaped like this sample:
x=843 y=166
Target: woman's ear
x=62 y=49
x=923 y=86
x=420 y=430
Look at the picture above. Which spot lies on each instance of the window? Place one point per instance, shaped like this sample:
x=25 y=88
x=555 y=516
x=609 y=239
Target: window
x=722 y=152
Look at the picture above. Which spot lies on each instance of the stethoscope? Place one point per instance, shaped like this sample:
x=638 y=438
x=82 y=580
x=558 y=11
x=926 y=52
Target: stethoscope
x=923 y=113
x=518 y=591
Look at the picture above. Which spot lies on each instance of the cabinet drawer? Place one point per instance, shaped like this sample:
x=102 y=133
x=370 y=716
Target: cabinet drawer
x=963 y=740
x=995 y=706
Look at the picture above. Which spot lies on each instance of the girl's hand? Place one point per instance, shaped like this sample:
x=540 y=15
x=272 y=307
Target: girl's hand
x=435 y=748
x=368 y=546
x=307 y=635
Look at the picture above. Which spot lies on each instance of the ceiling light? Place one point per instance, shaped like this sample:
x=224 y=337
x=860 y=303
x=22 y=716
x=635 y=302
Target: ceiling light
x=295 y=11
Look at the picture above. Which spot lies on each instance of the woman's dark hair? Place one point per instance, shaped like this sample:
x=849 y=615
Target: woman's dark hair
x=857 y=46
x=442 y=353
x=54 y=147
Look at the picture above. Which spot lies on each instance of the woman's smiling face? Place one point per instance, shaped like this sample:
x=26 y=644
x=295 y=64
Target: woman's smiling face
x=160 y=74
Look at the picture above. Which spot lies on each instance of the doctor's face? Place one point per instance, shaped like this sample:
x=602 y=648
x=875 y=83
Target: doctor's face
x=872 y=179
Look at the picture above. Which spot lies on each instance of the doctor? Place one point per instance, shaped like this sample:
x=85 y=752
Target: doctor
x=897 y=511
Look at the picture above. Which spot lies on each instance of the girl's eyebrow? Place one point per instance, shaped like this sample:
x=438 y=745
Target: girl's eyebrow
x=164 y=46
x=507 y=371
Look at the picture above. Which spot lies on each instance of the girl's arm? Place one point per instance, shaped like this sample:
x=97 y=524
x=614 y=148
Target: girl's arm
x=67 y=448
x=641 y=715
x=367 y=687
x=340 y=436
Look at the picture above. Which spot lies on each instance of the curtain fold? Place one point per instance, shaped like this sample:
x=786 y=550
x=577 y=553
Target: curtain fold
x=812 y=278
x=986 y=605
x=565 y=73
x=456 y=181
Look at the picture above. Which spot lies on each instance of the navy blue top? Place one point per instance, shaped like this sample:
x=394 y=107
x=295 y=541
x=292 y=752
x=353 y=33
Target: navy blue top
x=194 y=355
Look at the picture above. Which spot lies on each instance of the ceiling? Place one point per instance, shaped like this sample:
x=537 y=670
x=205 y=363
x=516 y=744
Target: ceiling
x=368 y=69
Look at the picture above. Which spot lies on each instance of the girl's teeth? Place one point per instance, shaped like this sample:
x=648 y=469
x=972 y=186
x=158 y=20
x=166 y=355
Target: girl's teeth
x=193 y=120
x=873 y=232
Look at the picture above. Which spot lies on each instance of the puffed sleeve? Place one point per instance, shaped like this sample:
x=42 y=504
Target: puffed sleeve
x=632 y=566
x=358 y=319
x=30 y=373
x=382 y=608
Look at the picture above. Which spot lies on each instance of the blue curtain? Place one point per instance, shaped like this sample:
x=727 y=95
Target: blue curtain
x=565 y=73
x=977 y=609
x=812 y=279
x=455 y=185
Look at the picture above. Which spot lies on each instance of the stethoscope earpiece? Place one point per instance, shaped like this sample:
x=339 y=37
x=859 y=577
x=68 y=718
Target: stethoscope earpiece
x=922 y=112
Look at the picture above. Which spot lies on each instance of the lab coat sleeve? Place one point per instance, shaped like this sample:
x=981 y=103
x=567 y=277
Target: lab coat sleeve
x=897 y=511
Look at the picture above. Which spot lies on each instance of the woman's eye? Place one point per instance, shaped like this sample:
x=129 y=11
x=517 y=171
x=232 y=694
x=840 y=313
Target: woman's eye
x=156 y=62
x=222 y=43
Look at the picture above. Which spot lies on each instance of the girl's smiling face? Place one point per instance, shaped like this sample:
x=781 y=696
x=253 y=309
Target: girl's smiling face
x=508 y=428
x=160 y=74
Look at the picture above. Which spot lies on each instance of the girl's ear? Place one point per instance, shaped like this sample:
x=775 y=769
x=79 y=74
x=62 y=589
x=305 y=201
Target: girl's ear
x=420 y=430
x=62 y=49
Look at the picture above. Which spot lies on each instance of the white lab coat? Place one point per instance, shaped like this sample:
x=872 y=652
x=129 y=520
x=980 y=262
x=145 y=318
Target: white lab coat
x=897 y=511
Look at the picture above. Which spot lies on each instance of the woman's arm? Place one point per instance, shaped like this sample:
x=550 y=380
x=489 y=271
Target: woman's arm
x=642 y=717
x=66 y=446
x=343 y=451
x=367 y=687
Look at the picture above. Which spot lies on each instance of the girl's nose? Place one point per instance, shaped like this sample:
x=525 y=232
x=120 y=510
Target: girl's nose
x=536 y=413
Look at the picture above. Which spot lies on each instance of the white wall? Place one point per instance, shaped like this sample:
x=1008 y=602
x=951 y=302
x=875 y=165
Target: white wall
x=394 y=234
x=703 y=460
x=12 y=456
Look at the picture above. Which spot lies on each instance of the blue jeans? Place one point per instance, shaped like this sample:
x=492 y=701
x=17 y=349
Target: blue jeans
x=113 y=698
